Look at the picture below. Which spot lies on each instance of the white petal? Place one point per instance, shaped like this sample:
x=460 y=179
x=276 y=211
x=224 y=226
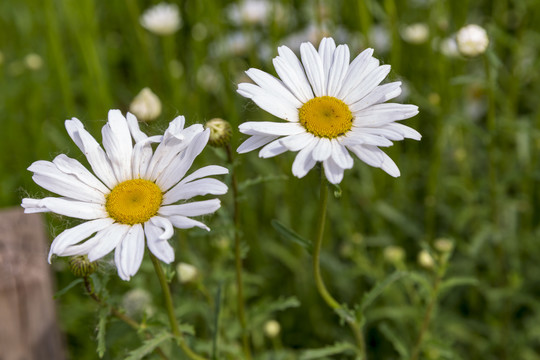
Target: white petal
x=48 y=176
x=314 y=68
x=322 y=150
x=67 y=207
x=183 y=222
x=272 y=149
x=326 y=52
x=405 y=131
x=77 y=234
x=109 y=239
x=97 y=158
x=254 y=142
x=194 y=188
x=75 y=168
x=191 y=209
x=273 y=85
x=180 y=165
x=371 y=155
x=298 y=141
x=167 y=230
x=270 y=103
x=369 y=83
x=332 y=171
x=382 y=114
x=292 y=74
x=356 y=71
x=390 y=166
x=129 y=252
x=379 y=95
x=142 y=155
x=209 y=170
x=337 y=72
x=160 y=248
x=304 y=161
x=365 y=136
x=117 y=144
x=134 y=128
x=341 y=156
x=270 y=128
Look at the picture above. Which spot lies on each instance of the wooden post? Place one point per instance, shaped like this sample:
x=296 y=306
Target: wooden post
x=28 y=327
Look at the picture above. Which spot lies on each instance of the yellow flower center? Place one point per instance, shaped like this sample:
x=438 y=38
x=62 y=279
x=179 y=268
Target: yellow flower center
x=134 y=201
x=326 y=116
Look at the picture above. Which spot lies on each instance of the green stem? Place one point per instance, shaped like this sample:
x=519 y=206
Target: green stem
x=170 y=310
x=238 y=260
x=321 y=287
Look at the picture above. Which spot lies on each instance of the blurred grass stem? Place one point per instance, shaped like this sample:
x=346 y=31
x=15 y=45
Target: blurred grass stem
x=170 y=310
x=238 y=259
x=321 y=287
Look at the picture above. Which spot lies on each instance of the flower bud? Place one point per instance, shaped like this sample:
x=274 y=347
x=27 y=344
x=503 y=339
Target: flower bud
x=394 y=254
x=162 y=19
x=416 y=33
x=80 y=266
x=425 y=259
x=136 y=302
x=472 y=40
x=272 y=328
x=444 y=245
x=146 y=106
x=186 y=272
x=220 y=132
x=33 y=61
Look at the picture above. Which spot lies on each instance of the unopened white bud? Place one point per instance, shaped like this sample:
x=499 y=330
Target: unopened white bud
x=472 y=40
x=146 y=106
x=425 y=259
x=415 y=33
x=444 y=245
x=394 y=254
x=33 y=61
x=162 y=19
x=186 y=272
x=272 y=328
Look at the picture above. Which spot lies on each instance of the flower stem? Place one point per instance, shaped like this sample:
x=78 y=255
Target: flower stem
x=170 y=311
x=321 y=287
x=121 y=316
x=238 y=259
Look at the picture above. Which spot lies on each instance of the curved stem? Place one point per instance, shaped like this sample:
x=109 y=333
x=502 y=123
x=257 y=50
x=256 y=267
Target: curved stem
x=321 y=287
x=170 y=310
x=238 y=260
x=121 y=316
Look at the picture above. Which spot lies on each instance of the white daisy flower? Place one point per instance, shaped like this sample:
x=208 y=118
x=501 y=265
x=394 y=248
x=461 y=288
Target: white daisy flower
x=134 y=193
x=330 y=106
x=162 y=19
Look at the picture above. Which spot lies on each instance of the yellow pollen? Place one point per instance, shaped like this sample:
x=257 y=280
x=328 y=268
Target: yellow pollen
x=134 y=201
x=326 y=116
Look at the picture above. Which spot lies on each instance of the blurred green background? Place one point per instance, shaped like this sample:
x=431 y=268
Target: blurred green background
x=472 y=179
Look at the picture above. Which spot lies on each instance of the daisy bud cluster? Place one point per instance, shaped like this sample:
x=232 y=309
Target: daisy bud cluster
x=220 y=132
x=80 y=266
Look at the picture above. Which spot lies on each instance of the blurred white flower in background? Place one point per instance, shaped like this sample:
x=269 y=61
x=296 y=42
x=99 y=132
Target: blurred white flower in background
x=250 y=12
x=472 y=40
x=137 y=302
x=379 y=38
x=272 y=328
x=415 y=33
x=162 y=19
x=146 y=106
x=425 y=259
x=448 y=47
x=232 y=44
x=186 y=272
x=33 y=61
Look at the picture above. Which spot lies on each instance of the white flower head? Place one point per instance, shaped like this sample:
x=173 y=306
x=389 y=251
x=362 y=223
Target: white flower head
x=449 y=48
x=186 y=272
x=250 y=12
x=132 y=197
x=146 y=106
x=472 y=40
x=162 y=19
x=330 y=106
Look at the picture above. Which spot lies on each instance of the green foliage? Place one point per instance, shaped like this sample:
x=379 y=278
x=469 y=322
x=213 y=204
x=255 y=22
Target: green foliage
x=149 y=345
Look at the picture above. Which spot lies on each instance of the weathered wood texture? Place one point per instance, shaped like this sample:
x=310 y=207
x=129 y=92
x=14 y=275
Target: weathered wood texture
x=28 y=324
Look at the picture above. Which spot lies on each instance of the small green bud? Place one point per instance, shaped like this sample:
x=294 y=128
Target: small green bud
x=220 y=132
x=80 y=266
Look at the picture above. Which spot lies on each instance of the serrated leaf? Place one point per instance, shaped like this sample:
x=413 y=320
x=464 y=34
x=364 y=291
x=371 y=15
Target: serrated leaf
x=377 y=290
x=101 y=329
x=290 y=235
x=148 y=346
x=457 y=281
x=338 y=348
x=67 y=288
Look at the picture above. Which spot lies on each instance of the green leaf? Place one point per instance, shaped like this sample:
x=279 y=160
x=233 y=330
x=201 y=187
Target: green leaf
x=457 y=281
x=290 y=235
x=398 y=218
x=148 y=346
x=260 y=179
x=101 y=329
x=396 y=341
x=379 y=288
x=338 y=348
x=67 y=288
